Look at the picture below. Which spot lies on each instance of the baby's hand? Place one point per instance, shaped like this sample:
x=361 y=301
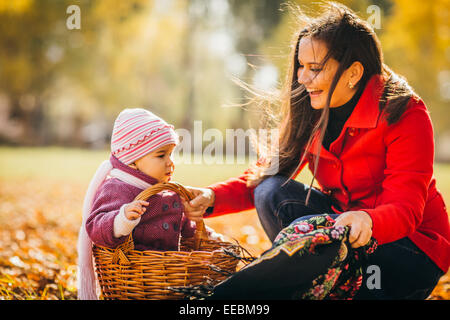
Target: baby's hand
x=135 y=209
x=213 y=235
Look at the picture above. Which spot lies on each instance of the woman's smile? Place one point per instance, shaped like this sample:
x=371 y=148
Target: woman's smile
x=317 y=75
x=314 y=93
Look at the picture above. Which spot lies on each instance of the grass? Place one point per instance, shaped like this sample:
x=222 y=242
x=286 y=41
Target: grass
x=78 y=165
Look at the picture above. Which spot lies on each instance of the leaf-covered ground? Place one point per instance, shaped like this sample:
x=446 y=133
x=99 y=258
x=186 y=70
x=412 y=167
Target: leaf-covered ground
x=38 y=240
x=40 y=215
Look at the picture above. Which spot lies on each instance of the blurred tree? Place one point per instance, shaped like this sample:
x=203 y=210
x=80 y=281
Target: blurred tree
x=416 y=43
x=178 y=57
x=221 y=37
x=172 y=56
x=415 y=37
x=38 y=50
x=27 y=59
x=255 y=22
x=252 y=22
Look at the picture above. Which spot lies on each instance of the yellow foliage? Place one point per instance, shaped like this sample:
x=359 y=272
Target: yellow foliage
x=15 y=6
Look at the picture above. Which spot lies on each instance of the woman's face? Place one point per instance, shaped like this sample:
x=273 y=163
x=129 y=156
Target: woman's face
x=317 y=78
x=158 y=164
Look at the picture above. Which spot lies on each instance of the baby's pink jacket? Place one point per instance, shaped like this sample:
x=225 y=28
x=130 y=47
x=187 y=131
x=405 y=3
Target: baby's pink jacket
x=159 y=227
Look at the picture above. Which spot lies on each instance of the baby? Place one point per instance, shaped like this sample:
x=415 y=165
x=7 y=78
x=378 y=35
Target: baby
x=141 y=156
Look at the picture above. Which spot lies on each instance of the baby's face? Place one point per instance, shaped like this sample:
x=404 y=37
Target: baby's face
x=158 y=164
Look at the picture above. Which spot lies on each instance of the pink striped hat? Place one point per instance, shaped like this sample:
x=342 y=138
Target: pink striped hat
x=137 y=132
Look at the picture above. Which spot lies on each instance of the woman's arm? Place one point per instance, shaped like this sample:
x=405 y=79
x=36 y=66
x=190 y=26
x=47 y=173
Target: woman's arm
x=225 y=197
x=105 y=213
x=230 y=196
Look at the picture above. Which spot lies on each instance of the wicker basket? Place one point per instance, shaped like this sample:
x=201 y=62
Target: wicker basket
x=125 y=273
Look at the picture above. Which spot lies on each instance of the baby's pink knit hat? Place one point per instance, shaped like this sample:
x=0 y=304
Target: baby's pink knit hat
x=137 y=132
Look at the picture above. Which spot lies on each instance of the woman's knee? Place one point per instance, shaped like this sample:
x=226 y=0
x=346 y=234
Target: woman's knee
x=266 y=192
x=277 y=194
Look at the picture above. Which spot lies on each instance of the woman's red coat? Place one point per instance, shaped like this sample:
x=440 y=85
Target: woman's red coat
x=384 y=170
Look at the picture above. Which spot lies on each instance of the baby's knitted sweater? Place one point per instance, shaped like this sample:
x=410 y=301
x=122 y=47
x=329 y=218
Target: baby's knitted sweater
x=159 y=228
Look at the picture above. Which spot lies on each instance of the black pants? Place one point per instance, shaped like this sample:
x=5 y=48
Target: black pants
x=403 y=270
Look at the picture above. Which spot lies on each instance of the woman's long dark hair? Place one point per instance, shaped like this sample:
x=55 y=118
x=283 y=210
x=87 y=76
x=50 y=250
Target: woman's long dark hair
x=348 y=39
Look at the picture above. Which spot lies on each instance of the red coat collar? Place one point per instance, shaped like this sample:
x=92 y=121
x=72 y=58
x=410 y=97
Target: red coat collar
x=365 y=114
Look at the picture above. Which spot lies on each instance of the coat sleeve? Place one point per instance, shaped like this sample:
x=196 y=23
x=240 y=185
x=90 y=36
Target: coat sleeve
x=105 y=208
x=408 y=172
x=233 y=195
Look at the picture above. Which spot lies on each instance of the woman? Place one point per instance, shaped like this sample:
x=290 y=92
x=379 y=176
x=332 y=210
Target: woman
x=368 y=139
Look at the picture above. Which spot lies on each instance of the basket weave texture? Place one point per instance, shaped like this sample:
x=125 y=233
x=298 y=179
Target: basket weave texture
x=125 y=273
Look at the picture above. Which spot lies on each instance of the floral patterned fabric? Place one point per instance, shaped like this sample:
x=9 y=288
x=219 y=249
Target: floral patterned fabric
x=344 y=276
x=310 y=259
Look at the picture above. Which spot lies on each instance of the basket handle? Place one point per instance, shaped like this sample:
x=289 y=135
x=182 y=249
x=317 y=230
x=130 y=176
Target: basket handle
x=184 y=193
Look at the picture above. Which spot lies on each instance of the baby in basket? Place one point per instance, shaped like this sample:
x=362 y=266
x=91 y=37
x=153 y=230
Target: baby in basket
x=141 y=156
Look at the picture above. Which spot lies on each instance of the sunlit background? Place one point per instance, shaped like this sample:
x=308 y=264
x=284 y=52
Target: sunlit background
x=178 y=58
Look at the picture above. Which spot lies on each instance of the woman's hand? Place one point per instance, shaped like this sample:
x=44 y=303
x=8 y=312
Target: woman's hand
x=203 y=198
x=360 y=224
